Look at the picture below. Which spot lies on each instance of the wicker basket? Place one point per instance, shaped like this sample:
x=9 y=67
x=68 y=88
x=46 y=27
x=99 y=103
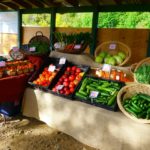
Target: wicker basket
x=127 y=92
x=119 y=46
x=144 y=61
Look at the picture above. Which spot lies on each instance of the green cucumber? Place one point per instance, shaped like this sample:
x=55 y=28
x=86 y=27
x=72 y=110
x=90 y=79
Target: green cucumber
x=80 y=96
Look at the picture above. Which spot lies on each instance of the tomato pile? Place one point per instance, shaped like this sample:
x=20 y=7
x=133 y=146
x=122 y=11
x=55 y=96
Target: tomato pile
x=46 y=77
x=69 y=80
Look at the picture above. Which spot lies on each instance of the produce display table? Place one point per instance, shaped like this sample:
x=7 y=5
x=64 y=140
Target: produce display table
x=90 y=125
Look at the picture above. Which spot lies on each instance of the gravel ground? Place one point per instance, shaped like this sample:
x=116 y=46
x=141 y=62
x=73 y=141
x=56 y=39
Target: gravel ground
x=22 y=133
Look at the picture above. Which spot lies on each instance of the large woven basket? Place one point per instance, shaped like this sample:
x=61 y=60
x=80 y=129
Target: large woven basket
x=127 y=92
x=144 y=61
x=119 y=46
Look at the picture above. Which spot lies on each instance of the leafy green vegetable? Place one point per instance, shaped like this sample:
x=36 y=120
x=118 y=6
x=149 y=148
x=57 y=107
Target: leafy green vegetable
x=143 y=74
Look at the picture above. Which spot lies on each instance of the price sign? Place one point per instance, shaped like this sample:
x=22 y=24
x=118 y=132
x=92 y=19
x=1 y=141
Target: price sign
x=32 y=49
x=106 y=67
x=62 y=60
x=112 y=46
x=94 y=94
x=59 y=87
x=15 y=49
x=2 y=63
x=77 y=46
x=51 y=68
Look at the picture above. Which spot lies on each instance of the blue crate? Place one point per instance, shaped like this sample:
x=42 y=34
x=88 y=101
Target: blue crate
x=10 y=108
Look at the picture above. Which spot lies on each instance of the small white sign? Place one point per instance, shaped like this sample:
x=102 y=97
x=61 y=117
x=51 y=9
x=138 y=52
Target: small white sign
x=106 y=67
x=2 y=63
x=112 y=46
x=15 y=49
x=77 y=46
x=32 y=49
x=59 y=87
x=62 y=60
x=94 y=94
x=51 y=68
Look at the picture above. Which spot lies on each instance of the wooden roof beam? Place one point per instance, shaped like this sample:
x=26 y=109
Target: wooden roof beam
x=74 y=3
x=10 y=5
x=36 y=3
x=3 y=7
x=23 y=4
x=93 y=2
x=51 y=3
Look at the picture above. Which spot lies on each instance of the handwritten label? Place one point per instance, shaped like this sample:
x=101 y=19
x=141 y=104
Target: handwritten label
x=94 y=94
x=2 y=63
x=59 y=87
x=62 y=60
x=106 y=67
x=32 y=49
x=112 y=46
x=78 y=46
x=51 y=68
x=15 y=49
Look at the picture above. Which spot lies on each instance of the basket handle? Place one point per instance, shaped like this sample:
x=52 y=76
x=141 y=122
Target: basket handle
x=39 y=33
x=132 y=68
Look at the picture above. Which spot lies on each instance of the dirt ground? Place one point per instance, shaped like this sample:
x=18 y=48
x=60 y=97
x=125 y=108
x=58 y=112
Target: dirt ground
x=22 y=133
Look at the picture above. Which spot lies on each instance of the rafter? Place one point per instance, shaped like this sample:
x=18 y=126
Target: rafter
x=74 y=3
x=3 y=7
x=93 y=2
x=10 y=5
x=22 y=4
x=36 y=3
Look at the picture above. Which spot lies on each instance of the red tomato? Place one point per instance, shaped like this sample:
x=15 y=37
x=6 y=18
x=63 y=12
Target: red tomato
x=66 y=72
x=61 y=92
x=61 y=80
x=65 y=88
x=67 y=92
x=73 y=68
x=78 y=70
x=66 y=79
x=72 y=90
x=66 y=83
x=68 y=69
x=54 y=89
x=71 y=85
x=78 y=77
x=71 y=77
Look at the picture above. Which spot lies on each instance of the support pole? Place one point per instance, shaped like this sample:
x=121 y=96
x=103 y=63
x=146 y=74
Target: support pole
x=19 y=28
x=94 y=31
x=52 y=28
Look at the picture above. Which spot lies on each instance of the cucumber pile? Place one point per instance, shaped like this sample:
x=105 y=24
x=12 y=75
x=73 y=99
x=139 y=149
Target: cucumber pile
x=138 y=105
x=106 y=91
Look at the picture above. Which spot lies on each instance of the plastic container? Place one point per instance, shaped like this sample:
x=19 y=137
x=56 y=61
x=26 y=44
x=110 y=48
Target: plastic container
x=47 y=62
x=84 y=70
x=92 y=101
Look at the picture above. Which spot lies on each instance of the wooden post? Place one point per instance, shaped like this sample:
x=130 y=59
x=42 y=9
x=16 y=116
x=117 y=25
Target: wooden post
x=94 y=31
x=52 y=28
x=19 y=28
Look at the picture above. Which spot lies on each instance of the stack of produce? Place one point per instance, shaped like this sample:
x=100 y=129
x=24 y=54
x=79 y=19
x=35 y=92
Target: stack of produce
x=13 y=68
x=106 y=91
x=45 y=78
x=72 y=42
x=105 y=57
x=114 y=74
x=69 y=80
x=142 y=74
x=138 y=105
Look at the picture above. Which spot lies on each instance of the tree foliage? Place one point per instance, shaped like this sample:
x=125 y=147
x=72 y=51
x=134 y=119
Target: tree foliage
x=81 y=20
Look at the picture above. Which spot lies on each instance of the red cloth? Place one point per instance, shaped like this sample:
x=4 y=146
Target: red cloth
x=12 y=88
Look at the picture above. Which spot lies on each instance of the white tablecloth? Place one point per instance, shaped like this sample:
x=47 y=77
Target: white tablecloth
x=90 y=125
